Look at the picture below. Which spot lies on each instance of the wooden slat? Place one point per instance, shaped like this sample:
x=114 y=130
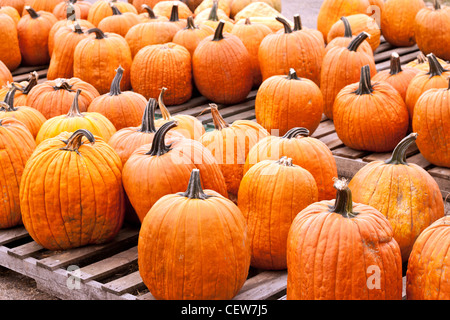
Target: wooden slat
x=25 y=250
x=27 y=70
x=332 y=141
x=440 y=172
x=247 y=115
x=146 y=296
x=325 y=127
x=229 y=111
x=262 y=286
x=403 y=60
x=10 y=235
x=419 y=160
x=350 y=153
x=412 y=150
x=386 y=55
x=125 y=284
x=23 y=77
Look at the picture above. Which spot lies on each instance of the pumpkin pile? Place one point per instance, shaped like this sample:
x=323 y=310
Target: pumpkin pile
x=82 y=151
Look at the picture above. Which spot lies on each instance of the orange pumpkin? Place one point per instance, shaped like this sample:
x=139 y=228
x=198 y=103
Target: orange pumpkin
x=421 y=62
x=10 y=11
x=214 y=19
x=149 y=15
x=164 y=8
x=191 y=36
x=17 y=4
x=138 y=4
x=23 y=88
x=5 y=74
x=119 y=22
x=41 y=5
x=81 y=9
x=101 y=9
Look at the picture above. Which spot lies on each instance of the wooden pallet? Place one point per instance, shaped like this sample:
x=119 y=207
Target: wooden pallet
x=110 y=271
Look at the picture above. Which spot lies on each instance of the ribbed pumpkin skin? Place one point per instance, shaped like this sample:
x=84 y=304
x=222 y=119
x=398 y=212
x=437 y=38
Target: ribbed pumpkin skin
x=330 y=256
x=81 y=9
x=102 y=9
x=399 y=81
x=42 y=5
x=51 y=101
x=10 y=54
x=426 y=277
x=398 y=21
x=165 y=65
x=61 y=24
x=332 y=10
x=190 y=37
x=10 y=11
x=30 y=117
x=270 y=196
x=138 y=4
x=164 y=8
x=17 y=145
x=283 y=103
x=5 y=74
x=33 y=38
x=430 y=121
x=81 y=199
x=405 y=194
x=211 y=263
x=17 y=4
x=119 y=23
x=307 y=152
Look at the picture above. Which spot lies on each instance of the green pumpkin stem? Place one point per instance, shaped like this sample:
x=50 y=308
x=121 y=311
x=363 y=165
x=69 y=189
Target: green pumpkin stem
x=218 y=120
x=174 y=13
x=343 y=204
x=32 y=12
x=365 y=84
x=399 y=154
x=396 y=66
x=287 y=26
x=159 y=146
x=74 y=110
x=297 y=23
x=98 y=33
x=436 y=69
x=148 y=119
x=213 y=16
x=115 y=84
x=297 y=131
x=359 y=39
x=218 y=34
x=151 y=13
x=347 y=28
x=292 y=75
x=75 y=141
x=194 y=189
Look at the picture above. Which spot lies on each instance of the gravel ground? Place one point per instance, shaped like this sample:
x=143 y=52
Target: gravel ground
x=14 y=286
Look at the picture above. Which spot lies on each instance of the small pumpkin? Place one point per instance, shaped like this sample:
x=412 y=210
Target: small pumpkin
x=305 y=151
x=192 y=269
x=258 y=9
x=238 y=5
x=223 y=5
x=421 y=62
x=5 y=75
x=10 y=11
x=17 y=145
x=164 y=169
x=214 y=20
x=119 y=22
x=270 y=195
x=191 y=36
x=23 y=88
x=76 y=207
x=17 y=4
x=138 y=4
x=148 y=15
x=95 y=122
x=81 y=9
x=41 y=5
x=203 y=15
x=164 y=8
x=370 y=116
x=101 y=9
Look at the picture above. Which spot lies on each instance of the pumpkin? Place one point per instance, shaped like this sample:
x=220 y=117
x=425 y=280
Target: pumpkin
x=398 y=20
x=94 y=122
x=346 y=247
x=436 y=77
x=230 y=145
x=138 y=4
x=10 y=55
x=163 y=65
x=421 y=62
x=224 y=5
x=68 y=213
x=344 y=41
x=193 y=270
x=33 y=30
x=237 y=5
x=175 y=19
x=430 y=123
x=270 y=195
x=359 y=23
x=332 y=10
x=214 y=20
x=116 y=104
x=149 y=15
x=23 y=88
x=403 y=192
x=164 y=169
x=222 y=51
x=397 y=76
x=426 y=277
x=302 y=30
x=145 y=34
x=189 y=126
x=101 y=9
x=203 y=15
x=251 y=36
x=81 y=9
x=65 y=41
x=305 y=151
x=376 y=6
x=258 y=9
x=164 y=8
x=299 y=49
x=10 y=11
x=126 y=140
x=30 y=117
x=96 y=57
x=191 y=36
x=17 y=145
x=5 y=74
x=270 y=22
x=17 y=4
x=119 y=22
x=370 y=116
x=341 y=67
x=54 y=97
x=41 y=5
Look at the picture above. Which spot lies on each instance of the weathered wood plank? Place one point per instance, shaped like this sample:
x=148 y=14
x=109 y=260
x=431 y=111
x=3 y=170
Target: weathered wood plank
x=27 y=70
x=247 y=115
x=125 y=284
x=9 y=235
x=25 y=250
x=350 y=153
x=146 y=296
x=325 y=127
x=348 y=167
x=23 y=77
x=332 y=141
x=412 y=150
x=419 y=160
x=229 y=111
x=262 y=286
x=386 y=55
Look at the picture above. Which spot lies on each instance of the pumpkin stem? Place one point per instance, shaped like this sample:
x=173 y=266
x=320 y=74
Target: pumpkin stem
x=74 y=110
x=448 y=79
x=285 y=161
x=287 y=26
x=148 y=119
x=219 y=122
x=365 y=85
x=213 y=16
x=396 y=66
x=436 y=69
x=347 y=28
x=359 y=39
x=159 y=146
x=115 y=10
x=399 y=154
x=298 y=131
x=421 y=58
x=162 y=106
x=292 y=75
x=98 y=33
x=218 y=34
x=247 y=21
x=343 y=204
x=70 y=12
x=75 y=141
x=151 y=13
x=62 y=84
x=437 y=5
x=297 y=23
x=76 y=28
x=8 y=103
x=32 y=81
x=194 y=189
x=115 y=84
x=190 y=24
x=32 y=12
x=174 y=13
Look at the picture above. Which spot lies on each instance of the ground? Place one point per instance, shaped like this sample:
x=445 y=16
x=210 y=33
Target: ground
x=14 y=286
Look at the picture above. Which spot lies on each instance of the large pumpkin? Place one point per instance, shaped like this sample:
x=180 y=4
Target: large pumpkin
x=17 y=145
x=270 y=195
x=216 y=252
x=308 y=152
x=403 y=192
x=97 y=57
x=157 y=169
x=342 y=250
x=10 y=54
x=370 y=116
x=218 y=52
x=284 y=102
